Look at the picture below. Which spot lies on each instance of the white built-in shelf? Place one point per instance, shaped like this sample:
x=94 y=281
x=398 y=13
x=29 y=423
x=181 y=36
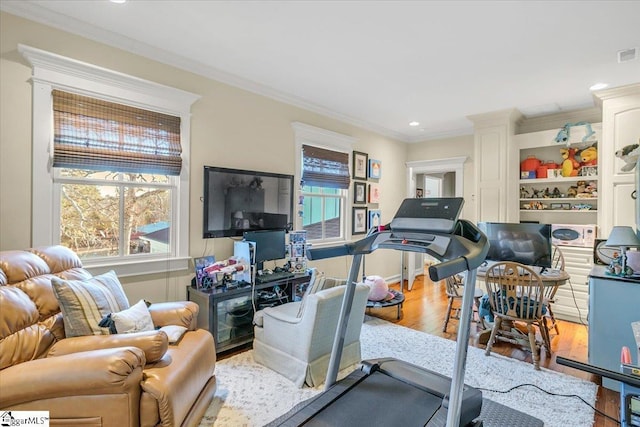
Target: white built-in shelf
x=578 y=211
x=558 y=180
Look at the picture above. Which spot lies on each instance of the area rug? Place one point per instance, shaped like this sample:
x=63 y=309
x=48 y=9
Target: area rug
x=251 y=395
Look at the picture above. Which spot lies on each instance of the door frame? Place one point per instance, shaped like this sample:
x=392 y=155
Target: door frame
x=451 y=164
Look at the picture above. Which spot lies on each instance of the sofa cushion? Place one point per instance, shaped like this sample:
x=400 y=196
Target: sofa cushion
x=85 y=302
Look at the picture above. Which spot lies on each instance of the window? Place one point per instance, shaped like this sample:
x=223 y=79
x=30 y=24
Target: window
x=109 y=159
x=114 y=169
x=323 y=169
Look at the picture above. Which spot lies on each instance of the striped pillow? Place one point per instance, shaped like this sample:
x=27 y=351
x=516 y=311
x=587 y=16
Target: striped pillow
x=85 y=302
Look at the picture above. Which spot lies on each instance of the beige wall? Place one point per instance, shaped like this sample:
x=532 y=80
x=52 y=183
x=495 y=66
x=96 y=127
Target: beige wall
x=230 y=127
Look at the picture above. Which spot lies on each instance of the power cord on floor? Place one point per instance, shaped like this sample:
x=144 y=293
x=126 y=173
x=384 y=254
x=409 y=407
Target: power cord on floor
x=551 y=394
x=576 y=304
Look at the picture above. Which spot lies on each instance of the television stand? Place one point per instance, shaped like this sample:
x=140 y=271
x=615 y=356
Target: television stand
x=227 y=312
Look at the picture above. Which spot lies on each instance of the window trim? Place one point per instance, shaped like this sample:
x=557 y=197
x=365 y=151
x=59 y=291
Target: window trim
x=310 y=135
x=51 y=71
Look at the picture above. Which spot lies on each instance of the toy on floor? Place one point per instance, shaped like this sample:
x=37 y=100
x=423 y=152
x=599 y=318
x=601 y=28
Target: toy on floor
x=378 y=289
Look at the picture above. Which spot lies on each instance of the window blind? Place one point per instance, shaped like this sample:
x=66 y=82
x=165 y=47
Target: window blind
x=325 y=168
x=94 y=134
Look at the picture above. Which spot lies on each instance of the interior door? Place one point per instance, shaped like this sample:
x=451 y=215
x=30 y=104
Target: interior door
x=451 y=172
x=432 y=185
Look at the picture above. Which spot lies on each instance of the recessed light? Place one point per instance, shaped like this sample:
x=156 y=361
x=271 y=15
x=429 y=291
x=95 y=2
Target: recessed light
x=598 y=86
x=414 y=123
x=118 y=1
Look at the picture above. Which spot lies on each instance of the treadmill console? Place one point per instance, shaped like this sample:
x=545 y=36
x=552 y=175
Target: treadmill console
x=430 y=214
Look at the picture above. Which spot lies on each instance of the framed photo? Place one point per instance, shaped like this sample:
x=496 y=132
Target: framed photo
x=419 y=193
x=360 y=162
x=359 y=192
x=375 y=169
x=374 y=218
x=359 y=225
x=374 y=193
x=560 y=206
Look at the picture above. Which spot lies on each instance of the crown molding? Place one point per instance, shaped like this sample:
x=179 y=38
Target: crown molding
x=558 y=120
x=616 y=92
x=510 y=115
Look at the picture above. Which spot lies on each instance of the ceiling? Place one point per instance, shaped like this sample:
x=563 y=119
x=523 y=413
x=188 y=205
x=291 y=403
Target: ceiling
x=377 y=64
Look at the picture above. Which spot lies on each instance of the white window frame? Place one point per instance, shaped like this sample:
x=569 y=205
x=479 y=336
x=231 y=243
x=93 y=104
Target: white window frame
x=51 y=71
x=310 y=135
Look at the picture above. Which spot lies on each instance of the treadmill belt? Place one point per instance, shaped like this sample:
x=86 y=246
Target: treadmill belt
x=380 y=400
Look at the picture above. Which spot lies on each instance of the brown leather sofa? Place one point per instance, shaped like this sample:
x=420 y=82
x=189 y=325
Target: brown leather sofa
x=136 y=379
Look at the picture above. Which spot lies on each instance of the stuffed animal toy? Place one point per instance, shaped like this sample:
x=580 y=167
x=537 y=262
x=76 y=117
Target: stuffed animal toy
x=378 y=289
x=630 y=155
x=569 y=165
x=589 y=156
x=565 y=132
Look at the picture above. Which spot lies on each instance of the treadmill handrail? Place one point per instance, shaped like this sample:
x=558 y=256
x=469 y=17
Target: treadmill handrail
x=467 y=249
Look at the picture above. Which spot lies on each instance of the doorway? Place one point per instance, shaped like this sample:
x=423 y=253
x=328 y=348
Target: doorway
x=444 y=177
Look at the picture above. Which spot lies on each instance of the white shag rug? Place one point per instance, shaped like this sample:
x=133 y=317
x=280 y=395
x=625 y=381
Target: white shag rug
x=252 y=395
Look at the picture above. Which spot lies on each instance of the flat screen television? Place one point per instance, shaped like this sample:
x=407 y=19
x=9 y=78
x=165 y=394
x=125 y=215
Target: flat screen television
x=526 y=243
x=270 y=245
x=237 y=200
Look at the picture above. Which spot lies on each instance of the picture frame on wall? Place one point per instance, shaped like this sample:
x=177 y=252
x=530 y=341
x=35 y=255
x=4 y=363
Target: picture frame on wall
x=374 y=218
x=374 y=193
x=359 y=192
x=375 y=169
x=419 y=193
x=359 y=220
x=360 y=163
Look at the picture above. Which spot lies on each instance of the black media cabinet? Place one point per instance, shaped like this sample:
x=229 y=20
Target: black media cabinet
x=228 y=313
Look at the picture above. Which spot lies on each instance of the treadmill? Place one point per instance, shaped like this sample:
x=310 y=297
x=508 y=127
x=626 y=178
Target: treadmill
x=388 y=391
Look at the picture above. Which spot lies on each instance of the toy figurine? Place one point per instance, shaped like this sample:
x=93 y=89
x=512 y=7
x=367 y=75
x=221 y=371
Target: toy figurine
x=629 y=155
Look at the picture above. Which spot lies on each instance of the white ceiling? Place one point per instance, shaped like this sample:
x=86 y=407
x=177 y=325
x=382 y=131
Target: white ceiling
x=377 y=64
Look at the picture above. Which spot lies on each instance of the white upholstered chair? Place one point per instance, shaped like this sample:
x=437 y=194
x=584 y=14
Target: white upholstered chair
x=295 y=339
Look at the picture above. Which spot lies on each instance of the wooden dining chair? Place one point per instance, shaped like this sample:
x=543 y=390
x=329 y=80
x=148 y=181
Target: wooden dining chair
x=454 y=288
x=516 y=297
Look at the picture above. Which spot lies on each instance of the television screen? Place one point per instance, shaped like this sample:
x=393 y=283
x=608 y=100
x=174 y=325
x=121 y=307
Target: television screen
x=526 y=243
x=236 y=201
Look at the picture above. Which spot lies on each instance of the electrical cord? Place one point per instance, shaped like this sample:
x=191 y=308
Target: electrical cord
x=551 y=394
x=575 y=302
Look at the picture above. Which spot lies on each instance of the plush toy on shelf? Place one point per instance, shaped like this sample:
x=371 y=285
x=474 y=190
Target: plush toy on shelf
x=589 y=156
x=569 y=165
x=630 y=155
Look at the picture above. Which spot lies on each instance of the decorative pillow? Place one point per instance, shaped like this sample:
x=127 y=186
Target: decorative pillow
x=174 y=332
x=85 y=302
x=319 y=284
x=315 y=284
x=134 y=319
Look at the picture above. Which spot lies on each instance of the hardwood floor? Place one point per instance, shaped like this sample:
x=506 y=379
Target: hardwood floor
x=424 y=310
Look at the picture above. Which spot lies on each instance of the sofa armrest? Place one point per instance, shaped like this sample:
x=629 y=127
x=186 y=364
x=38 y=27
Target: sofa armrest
x=99 y=372
x=153 y=343
x=181 y=313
